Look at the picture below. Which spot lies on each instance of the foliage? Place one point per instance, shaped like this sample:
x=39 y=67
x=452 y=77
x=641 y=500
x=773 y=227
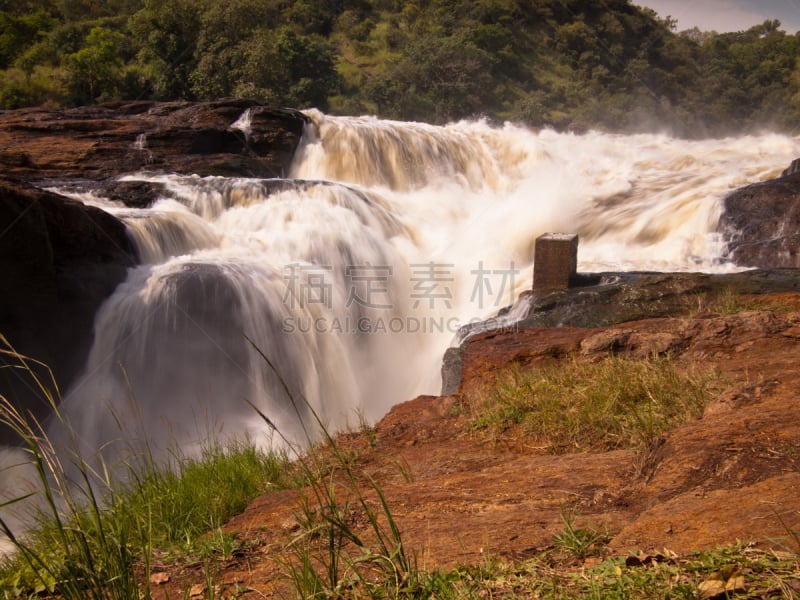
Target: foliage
x=166 y=32
x=436 y=78
x=20 y=32
x=551 y=63
x=42 y=86
x=94 y=70
x=290 y=69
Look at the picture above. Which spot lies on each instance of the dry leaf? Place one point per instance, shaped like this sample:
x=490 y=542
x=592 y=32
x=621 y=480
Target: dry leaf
x=711 y=588
x=735 y=584
x=159 y=578
x=725 y=581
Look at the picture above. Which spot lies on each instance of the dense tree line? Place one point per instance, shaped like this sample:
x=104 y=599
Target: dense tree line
x=560 y=63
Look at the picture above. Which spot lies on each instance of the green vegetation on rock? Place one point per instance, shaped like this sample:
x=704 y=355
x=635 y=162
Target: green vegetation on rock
x=580 y=406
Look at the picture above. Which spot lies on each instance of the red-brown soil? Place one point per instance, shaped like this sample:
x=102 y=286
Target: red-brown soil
x=460 y=496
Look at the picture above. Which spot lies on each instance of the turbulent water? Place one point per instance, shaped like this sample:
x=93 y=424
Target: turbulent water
x=334 y=293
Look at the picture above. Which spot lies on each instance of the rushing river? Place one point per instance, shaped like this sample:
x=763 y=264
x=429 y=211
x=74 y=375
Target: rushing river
x=337 y=290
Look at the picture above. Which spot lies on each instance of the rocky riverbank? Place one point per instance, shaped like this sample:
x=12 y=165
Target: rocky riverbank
x=761 y=223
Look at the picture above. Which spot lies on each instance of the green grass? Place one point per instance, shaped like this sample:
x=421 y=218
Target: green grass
x=174 y=513
x=582 y=406
x=330 y=557
x=552 y=576
x=580 y=542
x=194 y=496
x=92 y=535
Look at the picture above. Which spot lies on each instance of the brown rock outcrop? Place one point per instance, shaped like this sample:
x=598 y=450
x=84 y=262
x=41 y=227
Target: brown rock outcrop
x=97 y=142
x=461 y=497
x=612 y=298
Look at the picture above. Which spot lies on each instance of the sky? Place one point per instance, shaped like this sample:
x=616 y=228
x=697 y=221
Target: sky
x=727 y=15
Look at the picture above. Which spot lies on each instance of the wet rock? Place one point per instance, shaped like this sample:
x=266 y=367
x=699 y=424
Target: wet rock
x=793 y=168
x=761 y=223
x=451 y=371
x=619 y=297
x=134 y=194
x=59 y=260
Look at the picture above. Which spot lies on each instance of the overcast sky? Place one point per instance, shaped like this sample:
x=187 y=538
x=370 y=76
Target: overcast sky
x=727 y=15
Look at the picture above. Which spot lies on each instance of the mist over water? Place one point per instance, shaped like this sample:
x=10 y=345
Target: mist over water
x=352 y=277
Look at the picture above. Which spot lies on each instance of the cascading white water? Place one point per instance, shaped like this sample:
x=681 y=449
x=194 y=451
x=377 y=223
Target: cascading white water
x=353 y=278
x=265 y=281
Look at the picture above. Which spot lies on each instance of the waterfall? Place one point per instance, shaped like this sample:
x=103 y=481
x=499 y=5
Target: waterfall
x=336 y=291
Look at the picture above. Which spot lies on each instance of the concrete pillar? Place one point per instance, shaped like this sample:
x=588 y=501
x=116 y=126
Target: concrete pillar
x=555 y=261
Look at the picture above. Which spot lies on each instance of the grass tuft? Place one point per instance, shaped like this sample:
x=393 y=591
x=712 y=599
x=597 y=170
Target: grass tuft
x=757 y=574
x=331 y=557
x=590 y=406
x=580 y=542
x=729 y=301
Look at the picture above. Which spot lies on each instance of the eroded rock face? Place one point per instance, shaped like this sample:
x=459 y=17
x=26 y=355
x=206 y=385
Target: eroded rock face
x=761 y=223
x=611 y=298
x=461 y=492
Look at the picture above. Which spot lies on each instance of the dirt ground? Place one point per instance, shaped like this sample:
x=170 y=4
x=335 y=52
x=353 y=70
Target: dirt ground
x=460 y=496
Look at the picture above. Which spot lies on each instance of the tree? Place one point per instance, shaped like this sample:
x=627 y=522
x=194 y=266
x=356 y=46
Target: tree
x=226 y=32
x=167 y=34
x=94 y=70
x=18 y=33
x=289 y=69
x=437 y=79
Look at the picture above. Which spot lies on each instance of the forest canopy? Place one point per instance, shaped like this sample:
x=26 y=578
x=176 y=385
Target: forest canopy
x=567 y=64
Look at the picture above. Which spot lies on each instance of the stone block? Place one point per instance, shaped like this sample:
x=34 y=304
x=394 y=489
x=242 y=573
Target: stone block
x=555 y=261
